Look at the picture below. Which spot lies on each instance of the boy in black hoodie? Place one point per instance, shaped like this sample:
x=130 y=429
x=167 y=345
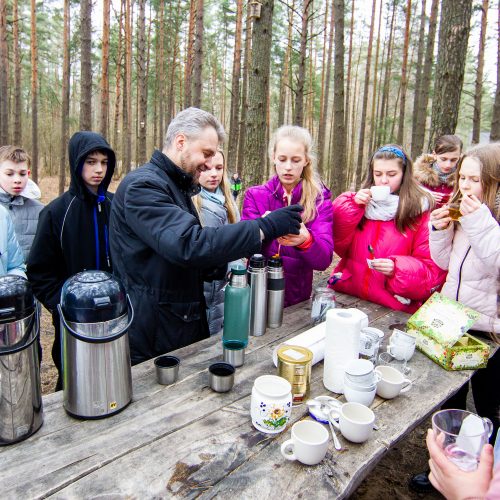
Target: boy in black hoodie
x=72 y=233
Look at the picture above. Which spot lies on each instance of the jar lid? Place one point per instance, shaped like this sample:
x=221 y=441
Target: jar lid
x=294 y=354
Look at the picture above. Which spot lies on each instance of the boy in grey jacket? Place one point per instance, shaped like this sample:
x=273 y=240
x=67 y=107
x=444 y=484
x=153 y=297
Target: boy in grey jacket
x=19 y=194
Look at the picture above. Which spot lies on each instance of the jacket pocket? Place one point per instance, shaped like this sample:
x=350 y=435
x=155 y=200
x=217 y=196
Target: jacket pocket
x=180 y=324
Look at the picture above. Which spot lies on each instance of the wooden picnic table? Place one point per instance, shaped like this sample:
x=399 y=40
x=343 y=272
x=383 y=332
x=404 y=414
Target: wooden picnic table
x=186 y=440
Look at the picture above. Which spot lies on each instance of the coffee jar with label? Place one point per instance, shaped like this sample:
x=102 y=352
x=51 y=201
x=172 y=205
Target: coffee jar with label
x=294 y=365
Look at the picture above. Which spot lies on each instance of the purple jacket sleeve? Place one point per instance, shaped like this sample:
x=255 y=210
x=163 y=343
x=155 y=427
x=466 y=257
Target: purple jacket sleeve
x=416 y=276
x=251 y=209
x=347 y=215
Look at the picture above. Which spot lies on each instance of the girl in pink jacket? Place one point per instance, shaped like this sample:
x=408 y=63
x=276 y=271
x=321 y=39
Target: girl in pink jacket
x=382 y=236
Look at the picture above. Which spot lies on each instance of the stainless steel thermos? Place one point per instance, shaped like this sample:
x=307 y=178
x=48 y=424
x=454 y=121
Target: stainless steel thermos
x=275 y=292
x=97 y=378
x=21 y=412
x=257 y=276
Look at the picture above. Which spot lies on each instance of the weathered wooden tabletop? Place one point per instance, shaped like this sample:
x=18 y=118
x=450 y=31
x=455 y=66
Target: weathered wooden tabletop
x=185 y=440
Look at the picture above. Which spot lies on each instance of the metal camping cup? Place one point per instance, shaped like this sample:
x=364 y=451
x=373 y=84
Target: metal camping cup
x=167 y=369
x=221 y=377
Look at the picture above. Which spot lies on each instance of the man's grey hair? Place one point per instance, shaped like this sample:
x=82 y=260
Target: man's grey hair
x=191 y=122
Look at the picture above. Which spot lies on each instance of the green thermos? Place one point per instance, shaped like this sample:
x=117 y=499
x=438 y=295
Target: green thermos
x=236 y=316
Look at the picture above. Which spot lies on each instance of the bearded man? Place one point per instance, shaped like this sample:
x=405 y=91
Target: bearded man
x=159 y=249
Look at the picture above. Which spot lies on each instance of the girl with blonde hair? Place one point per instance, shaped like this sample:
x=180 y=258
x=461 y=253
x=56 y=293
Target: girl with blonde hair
x=296 y=181
x=216 y=207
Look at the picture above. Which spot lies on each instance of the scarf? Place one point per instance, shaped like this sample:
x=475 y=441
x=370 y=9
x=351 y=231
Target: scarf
x=383 y=210
x=443 y=178
x=217 y=197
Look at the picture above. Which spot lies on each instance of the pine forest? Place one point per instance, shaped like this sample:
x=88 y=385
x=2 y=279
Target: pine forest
x=356 y=73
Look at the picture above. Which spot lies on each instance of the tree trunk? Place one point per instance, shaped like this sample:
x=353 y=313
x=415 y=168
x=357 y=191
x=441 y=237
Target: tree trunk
x=339 y=138
x=258 y=95
x=65 y=97
x=18 y=133
x=301 y=74
x=127 y=87
x=118 y=76
x=361 y=147
x=247 y=60
x=232 y=152
x=418 y=79
x=141 y=84
x=326 y=94
x=348 y=83
x=404 y=81
x=495 y=119
x=478 y=92
x=373 y=115
x=188 y=73
x=421 y=112
x=4 y=75
x=86 y=65
x=104 y=119
x=198 y=55
x=382 y=133
x=285 y=75
x=34 y=95
x=452 y=49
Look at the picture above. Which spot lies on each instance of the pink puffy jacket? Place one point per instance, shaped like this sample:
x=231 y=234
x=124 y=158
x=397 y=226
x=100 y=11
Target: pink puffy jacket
x=415 y=277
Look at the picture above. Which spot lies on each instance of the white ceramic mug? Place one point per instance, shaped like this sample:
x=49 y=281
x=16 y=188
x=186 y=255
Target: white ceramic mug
x=309 y=443
x=392 y=382
x=355 y=395
x=380 y=193
x=356 y=422
x=271 y=403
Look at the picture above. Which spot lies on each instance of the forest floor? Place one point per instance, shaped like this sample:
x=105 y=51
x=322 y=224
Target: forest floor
x=389 y=479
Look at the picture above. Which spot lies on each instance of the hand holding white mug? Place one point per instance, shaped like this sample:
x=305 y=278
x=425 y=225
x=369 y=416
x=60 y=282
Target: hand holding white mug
x=363 y=197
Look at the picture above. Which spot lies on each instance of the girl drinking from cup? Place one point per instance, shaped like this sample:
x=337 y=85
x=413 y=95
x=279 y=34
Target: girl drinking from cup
x=435 y=172
x=296 y=181
x=216 y=207
x=469 y=250
x=381 y=234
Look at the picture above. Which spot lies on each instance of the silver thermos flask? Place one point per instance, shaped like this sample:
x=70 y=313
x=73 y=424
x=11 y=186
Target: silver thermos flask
x=275 y=292
x=257 y=277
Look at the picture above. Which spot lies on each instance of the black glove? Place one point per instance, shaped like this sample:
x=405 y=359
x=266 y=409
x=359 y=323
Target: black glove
x=280 y=222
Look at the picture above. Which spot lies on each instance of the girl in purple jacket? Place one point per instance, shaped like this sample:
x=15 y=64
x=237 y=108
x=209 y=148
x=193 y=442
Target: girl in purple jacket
x=296 y=181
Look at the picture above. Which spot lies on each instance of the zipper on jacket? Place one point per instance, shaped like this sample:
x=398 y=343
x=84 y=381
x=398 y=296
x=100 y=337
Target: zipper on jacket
x=106 y=243
x=96 y=232
x=460 y=273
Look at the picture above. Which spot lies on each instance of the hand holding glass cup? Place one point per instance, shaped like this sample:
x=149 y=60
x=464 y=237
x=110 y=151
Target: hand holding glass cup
x=461 y=435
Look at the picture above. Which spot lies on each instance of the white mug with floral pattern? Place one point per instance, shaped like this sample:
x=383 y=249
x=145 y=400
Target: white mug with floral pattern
x=271 y=404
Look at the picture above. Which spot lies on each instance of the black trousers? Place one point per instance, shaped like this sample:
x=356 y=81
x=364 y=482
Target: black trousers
x=56 y=349
x=485 y=385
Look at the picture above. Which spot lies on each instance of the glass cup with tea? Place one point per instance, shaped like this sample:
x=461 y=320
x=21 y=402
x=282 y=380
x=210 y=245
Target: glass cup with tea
x=454 y=209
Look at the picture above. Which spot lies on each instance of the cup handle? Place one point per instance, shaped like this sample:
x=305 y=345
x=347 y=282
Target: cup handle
x=287 y=450
x=378 y=377
x=408 y=387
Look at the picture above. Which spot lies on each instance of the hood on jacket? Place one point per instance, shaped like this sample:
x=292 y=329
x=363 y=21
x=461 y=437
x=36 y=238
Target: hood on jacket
x=80 y=145
x=31 y=191
x=425 y=174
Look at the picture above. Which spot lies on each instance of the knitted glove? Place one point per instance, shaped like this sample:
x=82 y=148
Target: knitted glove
x=280 y=222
